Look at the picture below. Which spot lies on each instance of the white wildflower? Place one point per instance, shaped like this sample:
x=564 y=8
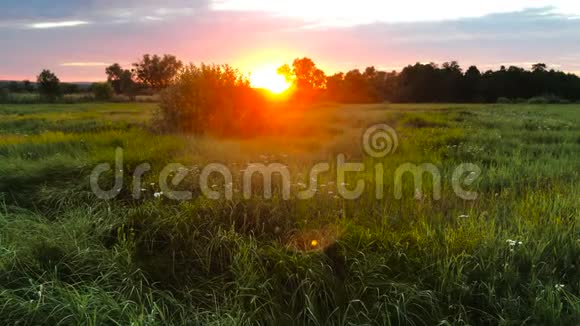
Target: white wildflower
x=158 y=194
x=513 y=243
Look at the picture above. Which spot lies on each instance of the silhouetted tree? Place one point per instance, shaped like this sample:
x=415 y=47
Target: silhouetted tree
x=356 y=87
x=419 y=83
x=431 y=83
x=114 y=74
x=122 y=80
x=539 y=67
x=306 y=77
x=472 y=82
x=335 y=87
x=48 y=85
x=157 y=72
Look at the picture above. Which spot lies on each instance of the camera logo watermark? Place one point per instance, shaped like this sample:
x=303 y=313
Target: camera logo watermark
x=378 y=142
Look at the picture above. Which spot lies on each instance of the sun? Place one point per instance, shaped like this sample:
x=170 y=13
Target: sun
x=267 y=78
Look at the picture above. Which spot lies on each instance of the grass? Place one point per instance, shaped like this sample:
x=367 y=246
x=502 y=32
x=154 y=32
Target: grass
x=67 y=257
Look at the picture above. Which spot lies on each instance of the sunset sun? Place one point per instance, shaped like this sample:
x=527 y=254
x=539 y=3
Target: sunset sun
x=268 y=78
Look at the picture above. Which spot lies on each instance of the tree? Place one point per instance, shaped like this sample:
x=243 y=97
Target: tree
x=304 y=74
x=356 y=86
x=48 y=85
x=127 y=85
x=375 y=84
x=471 y=85
x=114 y=73
x=307 y=75
x=102 y=91
x=286 y=71
x=122 y=80
x=157 y=72
x=335 y=87
x=539 y=67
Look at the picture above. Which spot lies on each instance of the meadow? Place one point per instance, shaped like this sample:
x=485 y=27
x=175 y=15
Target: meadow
x=510 y=257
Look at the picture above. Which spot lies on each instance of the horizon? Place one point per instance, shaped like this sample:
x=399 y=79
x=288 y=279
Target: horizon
x=250 y=35
x=527 y=67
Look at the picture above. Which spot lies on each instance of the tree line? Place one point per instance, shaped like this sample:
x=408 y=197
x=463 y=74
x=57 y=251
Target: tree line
x=150 y=75
x=414 y=83
x=432 y=83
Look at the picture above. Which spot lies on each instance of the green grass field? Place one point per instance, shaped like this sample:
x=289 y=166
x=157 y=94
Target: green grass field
x=511 y=257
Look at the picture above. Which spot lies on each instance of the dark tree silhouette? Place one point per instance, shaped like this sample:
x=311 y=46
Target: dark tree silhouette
x=304 y=74
x=431 y=83
x=48 y=85
x=122 y=80
x=157 y=72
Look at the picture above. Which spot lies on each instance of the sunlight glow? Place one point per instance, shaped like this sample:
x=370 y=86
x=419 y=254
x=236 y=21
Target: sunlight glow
x=266 y=77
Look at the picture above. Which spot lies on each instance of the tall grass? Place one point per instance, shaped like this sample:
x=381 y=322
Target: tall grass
x=510 y=257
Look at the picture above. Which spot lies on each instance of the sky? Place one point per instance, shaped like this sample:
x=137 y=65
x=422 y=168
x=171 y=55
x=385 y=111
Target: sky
x=77 y=39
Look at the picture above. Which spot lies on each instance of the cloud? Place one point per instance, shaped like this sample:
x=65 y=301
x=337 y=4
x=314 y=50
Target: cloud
x=539 y=24
x=60 y=24
x=347 y=13
x=18 y=13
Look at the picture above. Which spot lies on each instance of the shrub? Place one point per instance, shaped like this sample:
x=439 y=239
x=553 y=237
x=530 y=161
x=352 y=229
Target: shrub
x=547 y=99
x=213 y=99
x=504 y=100
x=102 y=91
x=539 y=100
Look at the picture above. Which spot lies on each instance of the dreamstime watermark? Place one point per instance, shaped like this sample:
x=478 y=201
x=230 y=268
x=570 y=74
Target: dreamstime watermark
x=378 y=142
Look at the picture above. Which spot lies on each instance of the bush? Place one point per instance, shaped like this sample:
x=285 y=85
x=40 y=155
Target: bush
x=504 y=100
x=214 y=99
x=547 y=99
x=538 y=100
x=102 y=91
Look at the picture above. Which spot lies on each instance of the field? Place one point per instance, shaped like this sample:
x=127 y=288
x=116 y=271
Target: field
x=510 y=257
